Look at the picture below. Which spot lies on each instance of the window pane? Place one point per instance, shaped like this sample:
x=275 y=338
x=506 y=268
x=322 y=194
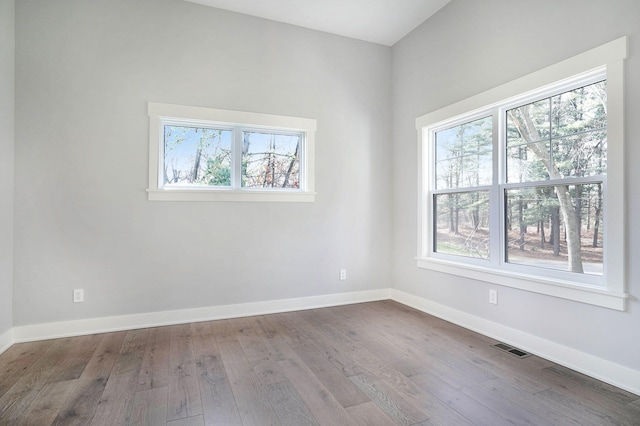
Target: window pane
x=271 y=160
x=580 y=110
x=523 y=165
x=581 y=155
x=464 y=155
x=572 y=125
x=545 y=223
x=580 y=131
x=528 y=150
x=462 y=224
x=197 y=156
x=529 y=123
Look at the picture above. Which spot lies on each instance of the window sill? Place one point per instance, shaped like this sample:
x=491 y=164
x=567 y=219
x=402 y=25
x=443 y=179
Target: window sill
x=557 y=288
x=229 y=195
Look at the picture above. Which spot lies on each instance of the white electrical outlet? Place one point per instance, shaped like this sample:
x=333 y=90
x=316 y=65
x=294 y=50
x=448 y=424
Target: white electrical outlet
x=493 y=297
x=343 y=274
x=78 y=295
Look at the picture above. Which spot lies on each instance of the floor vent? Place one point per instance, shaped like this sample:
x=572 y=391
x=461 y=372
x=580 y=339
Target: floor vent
x=513 y=351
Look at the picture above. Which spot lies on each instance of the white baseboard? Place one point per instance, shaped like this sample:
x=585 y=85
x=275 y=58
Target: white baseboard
x=614 y=374
x=601 y=369
x=28 y=333
x=6 y=340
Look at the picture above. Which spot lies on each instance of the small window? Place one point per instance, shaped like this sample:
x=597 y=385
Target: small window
x=204 y=154
x=523 y=186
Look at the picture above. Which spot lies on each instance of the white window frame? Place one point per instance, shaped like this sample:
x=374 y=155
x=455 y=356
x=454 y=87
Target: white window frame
x=610 y=291
x=161 y=114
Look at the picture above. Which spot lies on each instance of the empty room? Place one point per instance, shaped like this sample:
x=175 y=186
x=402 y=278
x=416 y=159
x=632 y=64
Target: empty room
x=289 y=212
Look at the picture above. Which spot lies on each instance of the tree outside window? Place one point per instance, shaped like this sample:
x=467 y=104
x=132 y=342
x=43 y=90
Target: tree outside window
x=551 y=180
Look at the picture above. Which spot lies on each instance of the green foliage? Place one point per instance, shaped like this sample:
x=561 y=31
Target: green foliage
x=197 y=155
x=218 y=172
x=464 y=155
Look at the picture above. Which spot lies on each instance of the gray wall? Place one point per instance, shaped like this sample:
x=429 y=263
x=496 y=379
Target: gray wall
x=85 y=71
x=7 y=66
x=470 y=47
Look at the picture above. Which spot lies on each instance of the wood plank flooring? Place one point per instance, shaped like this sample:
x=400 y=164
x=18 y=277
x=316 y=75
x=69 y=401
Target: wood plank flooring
x=378 y=363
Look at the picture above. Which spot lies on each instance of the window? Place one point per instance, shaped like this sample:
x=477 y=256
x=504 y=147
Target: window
x=523 y=185
x=204 y=154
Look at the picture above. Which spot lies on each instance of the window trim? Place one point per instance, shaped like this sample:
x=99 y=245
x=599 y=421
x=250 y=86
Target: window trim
x=159 y=113
x=613 y=295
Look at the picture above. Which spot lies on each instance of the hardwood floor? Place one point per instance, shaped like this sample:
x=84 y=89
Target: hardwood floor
x=377 y=363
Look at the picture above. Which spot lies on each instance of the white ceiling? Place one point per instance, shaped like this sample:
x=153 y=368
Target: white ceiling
x=378 y=21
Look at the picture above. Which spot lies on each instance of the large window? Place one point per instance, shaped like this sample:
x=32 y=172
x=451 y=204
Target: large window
x=201 y=154
x=525 y=190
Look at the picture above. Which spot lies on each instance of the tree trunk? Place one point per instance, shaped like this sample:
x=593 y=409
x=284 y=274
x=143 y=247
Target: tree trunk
x=571 y=225
x=523 y=226
x=457 y=219
x=596 y=224
x=290 y=168
x=452 y=228
x=579 y=209
x=196 y=165
x=555 y=230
